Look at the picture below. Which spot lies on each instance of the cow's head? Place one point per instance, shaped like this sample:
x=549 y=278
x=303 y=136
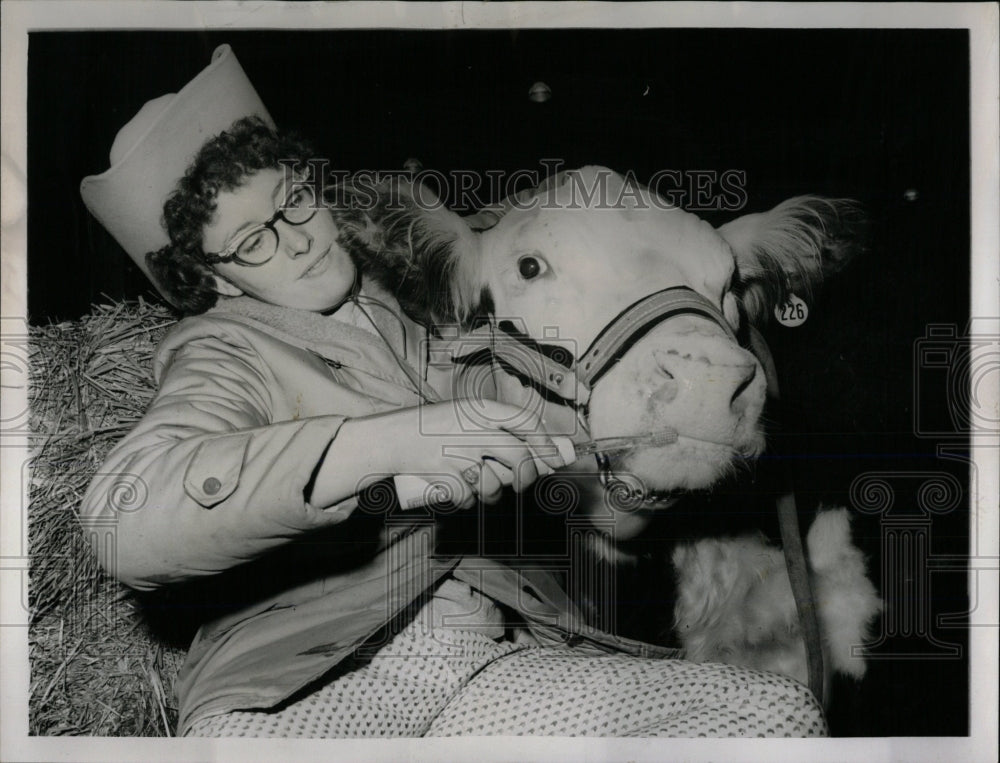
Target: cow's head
x=590 y=244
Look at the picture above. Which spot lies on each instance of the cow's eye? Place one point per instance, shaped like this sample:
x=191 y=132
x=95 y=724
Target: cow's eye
x=531 y=266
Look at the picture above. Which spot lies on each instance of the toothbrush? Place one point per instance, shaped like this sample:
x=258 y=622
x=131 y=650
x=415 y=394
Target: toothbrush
x=572 y=452
x=414 y=491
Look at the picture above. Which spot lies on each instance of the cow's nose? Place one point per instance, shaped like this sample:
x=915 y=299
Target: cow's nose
x=670 y=374
x=738 y=402
x=715 y=384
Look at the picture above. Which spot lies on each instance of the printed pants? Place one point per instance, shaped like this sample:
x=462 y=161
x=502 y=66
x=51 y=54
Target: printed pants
x=445 y=682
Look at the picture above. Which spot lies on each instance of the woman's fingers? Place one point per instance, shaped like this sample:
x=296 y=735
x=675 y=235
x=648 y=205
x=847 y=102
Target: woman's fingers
x=530 y=428
x=528 y=457
x=485 y=446
x=513 y=444
x=490 y=485
x=486 y=477
x=463 y=494
x=492 y=474
x=545 y=452
x=469 y=502
x=471 y=474
x=513 y=466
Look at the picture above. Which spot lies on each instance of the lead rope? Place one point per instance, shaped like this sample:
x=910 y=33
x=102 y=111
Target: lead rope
x=798 y=576
x=791 y=540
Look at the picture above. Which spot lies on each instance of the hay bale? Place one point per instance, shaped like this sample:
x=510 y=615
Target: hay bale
x=96 y=666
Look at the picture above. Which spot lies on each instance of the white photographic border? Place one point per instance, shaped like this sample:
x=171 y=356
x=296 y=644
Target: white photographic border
x=19 y=17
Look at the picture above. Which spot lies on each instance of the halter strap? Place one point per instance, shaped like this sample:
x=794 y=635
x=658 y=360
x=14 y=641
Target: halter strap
x=574 y=383
x=525 y=357
x=636 y=321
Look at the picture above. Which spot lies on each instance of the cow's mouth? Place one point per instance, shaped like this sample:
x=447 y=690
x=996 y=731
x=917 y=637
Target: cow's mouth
x=690 y=464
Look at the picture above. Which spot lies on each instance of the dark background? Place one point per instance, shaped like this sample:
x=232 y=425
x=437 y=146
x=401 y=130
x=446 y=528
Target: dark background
x=877 y=115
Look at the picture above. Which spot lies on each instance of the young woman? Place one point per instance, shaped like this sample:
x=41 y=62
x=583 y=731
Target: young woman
x=259 y=476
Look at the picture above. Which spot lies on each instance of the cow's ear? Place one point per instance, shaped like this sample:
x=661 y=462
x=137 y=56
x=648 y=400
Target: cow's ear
x=415 y=247
x=789 y=249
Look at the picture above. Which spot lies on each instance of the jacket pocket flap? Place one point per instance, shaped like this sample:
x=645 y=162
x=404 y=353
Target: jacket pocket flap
x=214 y=471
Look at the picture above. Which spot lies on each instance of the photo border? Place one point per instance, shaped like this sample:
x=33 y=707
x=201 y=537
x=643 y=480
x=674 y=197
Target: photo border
x=19 y=17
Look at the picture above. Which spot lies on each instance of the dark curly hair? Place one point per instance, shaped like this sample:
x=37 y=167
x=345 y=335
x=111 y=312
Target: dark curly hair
x=223 y=164
x=377 y=223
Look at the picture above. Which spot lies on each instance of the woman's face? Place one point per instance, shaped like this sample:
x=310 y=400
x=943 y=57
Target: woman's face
x=309 y=271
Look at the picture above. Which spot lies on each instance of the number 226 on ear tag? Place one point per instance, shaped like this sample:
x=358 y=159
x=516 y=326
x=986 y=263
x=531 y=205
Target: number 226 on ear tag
x=792 y=313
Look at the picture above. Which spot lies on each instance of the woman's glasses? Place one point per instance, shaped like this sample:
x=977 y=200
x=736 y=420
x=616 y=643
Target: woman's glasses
x=256 y=246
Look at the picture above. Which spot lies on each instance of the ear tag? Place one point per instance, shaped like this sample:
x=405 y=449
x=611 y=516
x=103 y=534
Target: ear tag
x=792 y=313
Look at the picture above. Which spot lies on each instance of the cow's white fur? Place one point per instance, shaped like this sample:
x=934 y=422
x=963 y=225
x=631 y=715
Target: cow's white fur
x=735 y=603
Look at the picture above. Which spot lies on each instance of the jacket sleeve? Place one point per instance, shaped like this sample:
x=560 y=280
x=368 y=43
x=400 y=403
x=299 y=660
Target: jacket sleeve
x=206 y=480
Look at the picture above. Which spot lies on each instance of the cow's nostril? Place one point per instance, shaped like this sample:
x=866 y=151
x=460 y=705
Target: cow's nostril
x=738 y=401
x=667 y=391
x=664 y=362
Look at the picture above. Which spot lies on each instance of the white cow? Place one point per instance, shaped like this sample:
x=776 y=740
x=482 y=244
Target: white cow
x=578 y=253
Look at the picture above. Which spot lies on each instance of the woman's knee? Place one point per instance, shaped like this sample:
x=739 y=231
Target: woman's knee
x=791 y=706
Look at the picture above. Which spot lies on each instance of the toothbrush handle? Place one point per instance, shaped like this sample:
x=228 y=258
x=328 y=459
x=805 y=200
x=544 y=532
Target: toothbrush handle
x=414 y=492
x=566 y=450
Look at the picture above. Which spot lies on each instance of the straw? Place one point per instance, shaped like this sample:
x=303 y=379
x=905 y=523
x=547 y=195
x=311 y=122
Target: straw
x=97 y=667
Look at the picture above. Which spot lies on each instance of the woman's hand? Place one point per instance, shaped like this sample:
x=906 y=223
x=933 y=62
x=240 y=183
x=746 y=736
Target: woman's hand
x=468 y=447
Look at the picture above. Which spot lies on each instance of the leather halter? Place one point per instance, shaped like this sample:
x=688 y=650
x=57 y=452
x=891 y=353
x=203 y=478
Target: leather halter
x=574 y=383
x=636 y=321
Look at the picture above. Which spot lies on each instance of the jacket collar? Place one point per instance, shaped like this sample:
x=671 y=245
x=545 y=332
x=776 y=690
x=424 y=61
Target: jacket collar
x=376 y=338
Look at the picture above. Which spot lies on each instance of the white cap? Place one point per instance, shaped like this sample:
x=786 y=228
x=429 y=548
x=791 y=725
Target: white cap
x=154 y=149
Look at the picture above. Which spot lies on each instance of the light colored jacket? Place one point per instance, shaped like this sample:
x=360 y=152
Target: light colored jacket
x=215 y=476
